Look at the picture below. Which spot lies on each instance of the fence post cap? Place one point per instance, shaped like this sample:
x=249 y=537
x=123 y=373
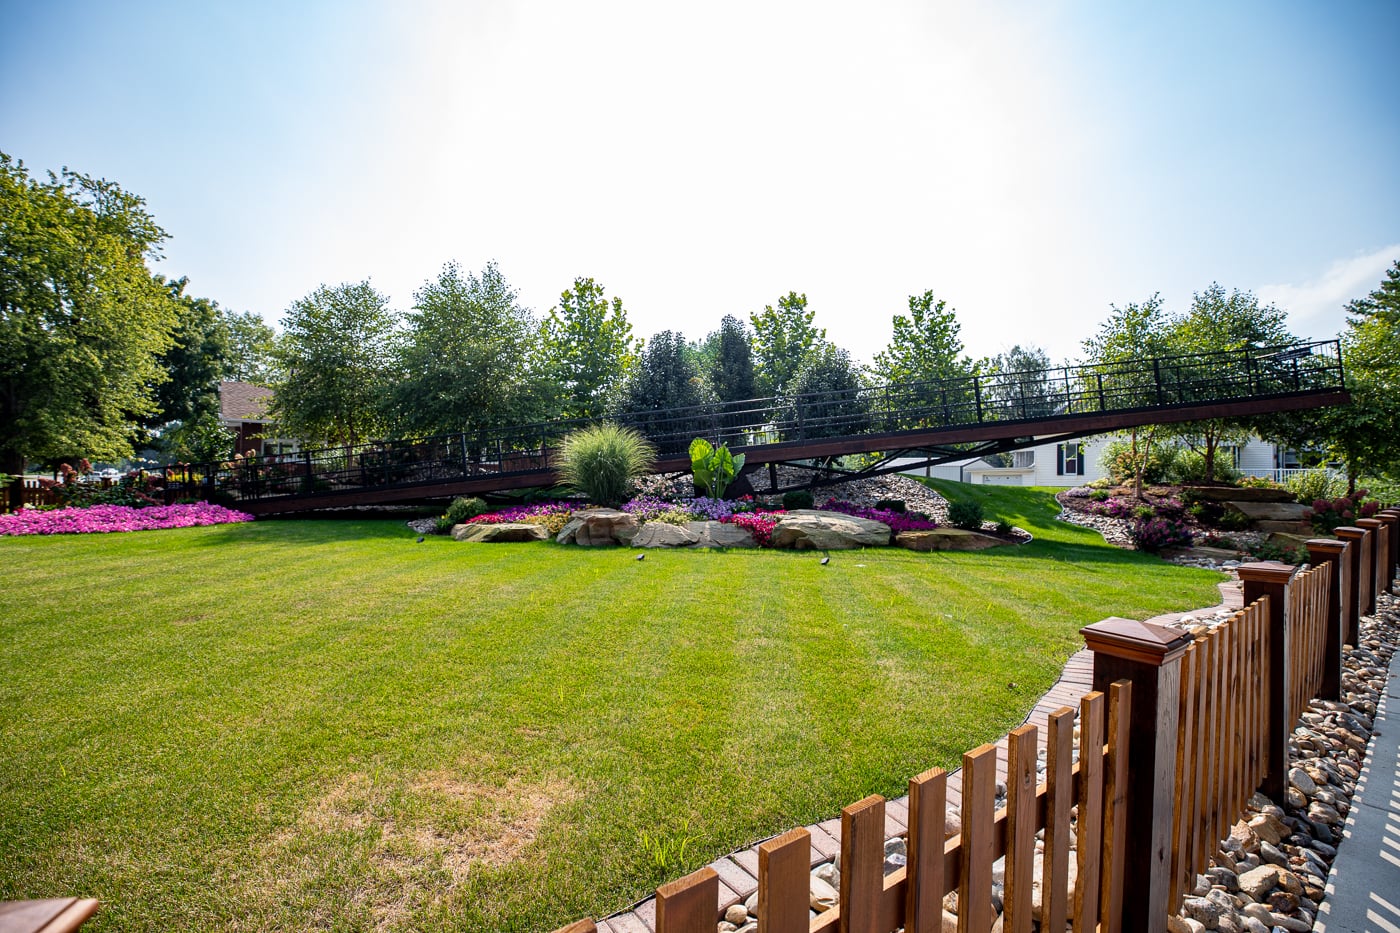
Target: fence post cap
x=1370 y=524
x=1144 y=642
x=1266 y=571
x=1350 y=531
x=1329 y=546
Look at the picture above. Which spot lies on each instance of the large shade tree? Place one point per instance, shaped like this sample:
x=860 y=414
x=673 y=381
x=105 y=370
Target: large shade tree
x=337 y=356
x=925 y=360
x=83 y=319
x=464 y=360
x=1218 y=322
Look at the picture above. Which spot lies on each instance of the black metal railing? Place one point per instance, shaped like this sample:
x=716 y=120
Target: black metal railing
x=1029 y=397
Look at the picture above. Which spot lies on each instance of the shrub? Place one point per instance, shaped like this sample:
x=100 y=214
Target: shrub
x=1257 y=482
x=1117 y=461
x=1186 y=467
x=890 y=505
x=1154 y=534
x=444 y=525
x=1003 y=527
x=602 y=461
x=966 y=514
x=1269 y=550
x=1100 y=495
x=798 y=499
x=1327 y=515
x=463 y=509
x=1313 y=485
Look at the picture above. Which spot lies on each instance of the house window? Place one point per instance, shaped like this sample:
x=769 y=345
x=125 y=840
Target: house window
x=1070 y=459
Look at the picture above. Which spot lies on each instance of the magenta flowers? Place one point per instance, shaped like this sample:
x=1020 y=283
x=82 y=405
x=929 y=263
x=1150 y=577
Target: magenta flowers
x=102 y=519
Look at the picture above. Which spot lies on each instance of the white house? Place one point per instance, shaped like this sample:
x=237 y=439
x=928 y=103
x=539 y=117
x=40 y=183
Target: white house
x=1073 y=463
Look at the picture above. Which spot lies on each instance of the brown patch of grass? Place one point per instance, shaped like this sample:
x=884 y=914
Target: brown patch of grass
x=389 y=849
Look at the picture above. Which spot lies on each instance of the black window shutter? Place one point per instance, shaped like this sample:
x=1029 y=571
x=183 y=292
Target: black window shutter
x=1059 y=459
x=1079 y=449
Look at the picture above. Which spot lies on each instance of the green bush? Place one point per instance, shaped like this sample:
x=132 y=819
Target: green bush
x=1004 y=527
x=1315 y=484
x=798 y=499
x=602 y=461
x=966 y=513
x=1117 y=462
x=462 y=509
x=1187 y=467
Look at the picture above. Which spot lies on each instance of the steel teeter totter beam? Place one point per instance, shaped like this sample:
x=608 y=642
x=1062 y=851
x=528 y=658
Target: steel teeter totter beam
x=936 y=421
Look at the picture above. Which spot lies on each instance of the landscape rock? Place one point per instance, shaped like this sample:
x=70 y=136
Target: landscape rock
x=721 y=534
x=1259 y=881
x=946 y=539
x=599 y=528
x=823 y=896
x=737 y=914
x=483 y=533
x=662 y=534
x=815 y=530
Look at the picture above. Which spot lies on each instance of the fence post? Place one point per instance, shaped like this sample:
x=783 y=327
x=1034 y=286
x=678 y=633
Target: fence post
x=1272 y=579
x=1337 y=553
x=1356 y=537
x=1380 y=555
x=1150 y=657
x=1391 y=517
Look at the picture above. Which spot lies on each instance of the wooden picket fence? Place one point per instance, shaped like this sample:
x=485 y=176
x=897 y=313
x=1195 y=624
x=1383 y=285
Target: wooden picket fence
x=1308 y=594
x=1222 y=716
x=912 y=897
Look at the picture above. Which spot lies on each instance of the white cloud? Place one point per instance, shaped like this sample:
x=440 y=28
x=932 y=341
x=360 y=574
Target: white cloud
x=1317 y=306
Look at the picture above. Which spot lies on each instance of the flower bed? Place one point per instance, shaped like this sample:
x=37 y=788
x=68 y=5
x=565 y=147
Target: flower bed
x=759 y=524
x=102 y=519
x=898 y=521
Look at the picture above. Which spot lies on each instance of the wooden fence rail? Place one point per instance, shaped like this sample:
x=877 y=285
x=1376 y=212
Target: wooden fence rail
x=1200 y=722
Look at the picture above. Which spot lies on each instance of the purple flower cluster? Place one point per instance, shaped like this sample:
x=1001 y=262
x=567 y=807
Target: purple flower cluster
x=101 y=519
x=518 y=513
x=1153 y=534
x=647 y=508
x=715 y=510
x=898 y=521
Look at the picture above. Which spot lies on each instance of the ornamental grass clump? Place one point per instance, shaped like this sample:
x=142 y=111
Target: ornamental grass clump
x=602 y=461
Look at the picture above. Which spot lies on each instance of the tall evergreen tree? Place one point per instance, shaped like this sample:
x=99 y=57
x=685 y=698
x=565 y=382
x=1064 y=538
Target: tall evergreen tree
x=732 y=376
x=665 y=380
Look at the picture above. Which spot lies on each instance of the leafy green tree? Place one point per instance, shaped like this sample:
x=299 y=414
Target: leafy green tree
x=925 y=360
x=663 y=381
x=825 y=397
x=252 y=348
x=1364 y=435
x=337 y=355
x=586 y=346
x=1219 y=322
x=83 y=320
x=1132 y=334
x=925 y=344
x=1019 y=384
x=464 y=361
x=195 y=361
x=782 y=338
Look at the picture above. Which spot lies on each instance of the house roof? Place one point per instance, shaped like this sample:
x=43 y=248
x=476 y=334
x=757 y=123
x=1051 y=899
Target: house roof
x=244 y=401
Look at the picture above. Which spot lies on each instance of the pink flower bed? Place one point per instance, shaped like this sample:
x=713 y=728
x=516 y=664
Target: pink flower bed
x=101 y=519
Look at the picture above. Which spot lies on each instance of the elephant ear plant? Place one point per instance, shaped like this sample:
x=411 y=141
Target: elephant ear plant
x=714 y=467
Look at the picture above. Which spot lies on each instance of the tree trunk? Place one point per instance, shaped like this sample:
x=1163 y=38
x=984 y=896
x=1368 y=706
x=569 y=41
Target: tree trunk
x=1210 y=460
x=12 y=464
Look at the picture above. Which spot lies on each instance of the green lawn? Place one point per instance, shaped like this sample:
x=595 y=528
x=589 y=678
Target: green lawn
x=324 y=725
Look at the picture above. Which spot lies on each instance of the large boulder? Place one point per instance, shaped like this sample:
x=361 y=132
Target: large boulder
x=661 y=534
x=946 y=539
x=1237 y=494
x=482 y=532
x=815 y=530
x=721 y=534
x=599 y=527
x=1270 y=511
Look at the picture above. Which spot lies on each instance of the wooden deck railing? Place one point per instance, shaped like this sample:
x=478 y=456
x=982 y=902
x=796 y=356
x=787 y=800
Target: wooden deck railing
x=1200 y=722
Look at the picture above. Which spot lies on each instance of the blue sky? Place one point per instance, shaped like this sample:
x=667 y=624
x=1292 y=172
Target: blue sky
x=1031 y=163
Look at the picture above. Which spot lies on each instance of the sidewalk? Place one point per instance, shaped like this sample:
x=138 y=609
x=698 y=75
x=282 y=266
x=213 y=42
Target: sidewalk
x=1363 y=889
